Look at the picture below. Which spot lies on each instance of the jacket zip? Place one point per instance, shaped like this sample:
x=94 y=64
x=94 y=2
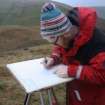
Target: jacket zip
x=77 y=95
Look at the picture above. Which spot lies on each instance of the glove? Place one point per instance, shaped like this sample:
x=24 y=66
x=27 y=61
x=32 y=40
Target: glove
x=61 y=71
x=48 y=62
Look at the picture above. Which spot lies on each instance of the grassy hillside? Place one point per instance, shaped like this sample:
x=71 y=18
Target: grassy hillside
x=25 y=12
x=20 y=12
x=101 y=12
x=101 y=24
x=16 y=37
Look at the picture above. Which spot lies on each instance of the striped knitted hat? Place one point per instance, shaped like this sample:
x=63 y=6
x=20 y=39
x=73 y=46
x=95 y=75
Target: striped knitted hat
x=53 y=21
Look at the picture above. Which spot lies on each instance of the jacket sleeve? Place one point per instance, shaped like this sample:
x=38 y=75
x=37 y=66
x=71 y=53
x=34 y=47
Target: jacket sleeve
x=93 y=73
x=87 y=26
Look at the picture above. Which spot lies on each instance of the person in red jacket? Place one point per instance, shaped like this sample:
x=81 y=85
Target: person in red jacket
x=80 y=46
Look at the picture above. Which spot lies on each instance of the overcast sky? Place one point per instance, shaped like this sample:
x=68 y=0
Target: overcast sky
x=83 y=2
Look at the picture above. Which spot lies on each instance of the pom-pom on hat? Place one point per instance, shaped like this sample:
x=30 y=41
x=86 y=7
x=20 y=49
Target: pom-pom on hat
x=53 y=21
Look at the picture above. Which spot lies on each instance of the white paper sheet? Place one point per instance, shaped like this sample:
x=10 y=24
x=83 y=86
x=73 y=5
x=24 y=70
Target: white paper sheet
x=33 y=76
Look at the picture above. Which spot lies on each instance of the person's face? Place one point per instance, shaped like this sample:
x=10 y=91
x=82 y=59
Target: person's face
x=71 y=34
x=63 y=38
x=58 y=39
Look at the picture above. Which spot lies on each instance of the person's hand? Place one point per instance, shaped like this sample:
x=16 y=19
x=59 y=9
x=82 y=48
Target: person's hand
x=48 y=62
x=61 y=71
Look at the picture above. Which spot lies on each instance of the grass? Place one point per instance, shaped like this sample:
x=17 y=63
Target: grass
x=2 y=85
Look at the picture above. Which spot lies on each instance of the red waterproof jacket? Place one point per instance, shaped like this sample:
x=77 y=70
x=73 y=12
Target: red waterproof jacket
x=86 y=62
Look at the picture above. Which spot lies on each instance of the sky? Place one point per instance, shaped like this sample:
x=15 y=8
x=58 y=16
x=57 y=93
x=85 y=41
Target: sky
x=90 y=3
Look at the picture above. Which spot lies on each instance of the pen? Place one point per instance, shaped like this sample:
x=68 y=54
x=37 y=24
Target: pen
x=45 y=60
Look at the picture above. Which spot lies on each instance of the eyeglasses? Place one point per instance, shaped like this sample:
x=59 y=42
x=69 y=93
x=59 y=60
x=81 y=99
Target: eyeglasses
x=52 y=39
